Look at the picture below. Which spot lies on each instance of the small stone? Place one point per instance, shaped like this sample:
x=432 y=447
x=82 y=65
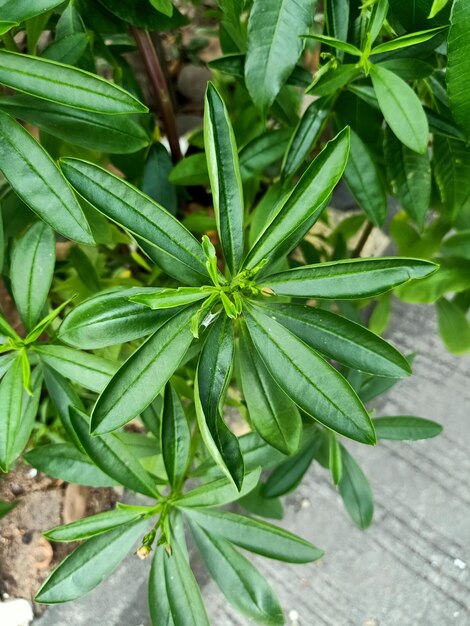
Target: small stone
x=16 y=612
x=460 y=564
x=192 y=82
x=305 y=503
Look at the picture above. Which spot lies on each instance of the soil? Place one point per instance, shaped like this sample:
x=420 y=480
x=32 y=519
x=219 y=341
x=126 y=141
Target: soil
x=26 y=557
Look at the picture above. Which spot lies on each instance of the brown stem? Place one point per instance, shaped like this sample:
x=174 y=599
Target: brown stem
x=363 y=240
x=160 y=88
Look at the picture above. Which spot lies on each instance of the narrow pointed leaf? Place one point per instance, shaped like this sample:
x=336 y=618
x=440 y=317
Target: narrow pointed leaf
x=224 y=174
x=344 y=46
x=401 y=108
x=238 y=579
x=29 y=412
x=20 y=10
x=273 y=415
x=144 y=374
x=348 y=279
x=175 y=437
x=451 y=169
x=212 y=378
x=405 y=428
x=454 y=326
x=410 y=39
x=218 y=492
x=170 y=298
x=11 y=397
x=304 y=205
x=312 y=383
x=256 y=536
x=355 y=491
x=263 y=151
x=90 y=564
x=38 y=182
x=92 y=526
x=173 y=246
x=65 y=84
x=341 y=339
x=459 y=64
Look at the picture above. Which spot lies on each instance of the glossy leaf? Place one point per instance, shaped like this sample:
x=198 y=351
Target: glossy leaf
x=337 y=18
x=410 y=39
x=405 y=428
x=453 y=325
x=64 y=462
x=170 y=298
x=333 y=42
x=212 y=378
x=437 y=6
x=348 y=279
x=173 y=246
x=20 y=10
x=304 y=205
x=335 y=459
x=32 y=267
x=6 y=507
x=401 y=108
x=89 y=564
x=11 y=398
x=312 y=383
x=333 y=80
x=92 y=526
x=95 y=131
x=341 y=339
x=65 y=84
x=452 y=169
x=218 y=492
x=274 y=45
x=144 y=374
x=263 y=151
x=237 y=578
x=273 y=415
x=355 y=491
x=459 y=64
x=224 y=173
x=113 y=457
x=256 y=536
x=38 y=182
x=410 y=177
x=175 y=437
x=29 y=411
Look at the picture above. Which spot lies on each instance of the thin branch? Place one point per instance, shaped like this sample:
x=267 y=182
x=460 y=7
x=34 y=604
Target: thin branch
x=363 y=240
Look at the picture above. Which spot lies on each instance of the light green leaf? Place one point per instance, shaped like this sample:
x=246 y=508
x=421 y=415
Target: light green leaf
x=171 y=245
x=218 y=492
x=333 y=42
x=175 y=437
x=89 y=564
x=92 y=526
x=452 y=171
x=11 y=399
x=404 y=427
x=5 y=26
x=348 y=279
x=170 y=298
x=190 y=171
x=32 y=268
x=38 y=182
x=6 y=507
x=144 y=374
x=164 y=6
x=335 y=459
x=312 y=383
x=304 y=205
x=238 y=579
x=333 y=80
x=355 y=491
x=458 y=49
x=401 y=108
x=273 y=415
x=410 y=39
x=29 y=412
x=457 y=245
x=453 y=325
x=437 y=6
x=20 y=10
x=274 y=45
x=65 y=84
x=224 y=173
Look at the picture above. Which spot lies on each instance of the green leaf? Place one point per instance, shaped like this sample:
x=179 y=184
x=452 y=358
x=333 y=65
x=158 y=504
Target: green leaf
x=348 y=279
x=414 y=14
x=273 y=415
x=64 y=462
x=11 y=398
x=224 y=173
x=335 y=459
x=172 y=246
x=263 y=151
x=333 y=80
x=304 y=205
x=155 y=182
x=404 y=427
x=410 y=39
x=355 y=491
x=312 y=383
x=363 y=177
x=89 y=564
x=256 y=536
x=341 y=339
x=5 y=26
x=458 y=49
x=113 y=457
x=29 y=411
x=401 y=108
x=141 y=13
x=437 y=6
x=7 y=330
x=451 y=277
x=164 y=6
x=175 y=437
x=258 y=505
x=274 y=46
x=212 y=377
x=5 y=362
x=378 y=14
x=95 y=131
x=68 y=50
x=6 y=507
x=409 y=174
x=190 y=171
x=452 y=170
x=237 y=578
x=288 y=475
x=174 y=596
x=333 y=42
x=218 y=492
x=38 y=182
x=337 y=18
x=306 y=135
x=144 y=374
x=409 y=69
x=457 y=245
x=111 y=318
x=453 y=325
x=20 y=10
x=170 y=298
x=90 y=371
x=32 y=268
x=65 y=84
x=92 y=526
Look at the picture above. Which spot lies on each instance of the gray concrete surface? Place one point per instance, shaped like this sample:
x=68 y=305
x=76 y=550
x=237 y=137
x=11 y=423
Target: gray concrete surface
x=411 y=568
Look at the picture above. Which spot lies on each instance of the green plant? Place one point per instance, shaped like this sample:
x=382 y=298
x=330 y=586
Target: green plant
x=254 y=315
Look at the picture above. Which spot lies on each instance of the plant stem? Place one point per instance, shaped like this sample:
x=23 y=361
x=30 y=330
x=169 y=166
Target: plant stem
x=157 y=78
x=363 y=240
